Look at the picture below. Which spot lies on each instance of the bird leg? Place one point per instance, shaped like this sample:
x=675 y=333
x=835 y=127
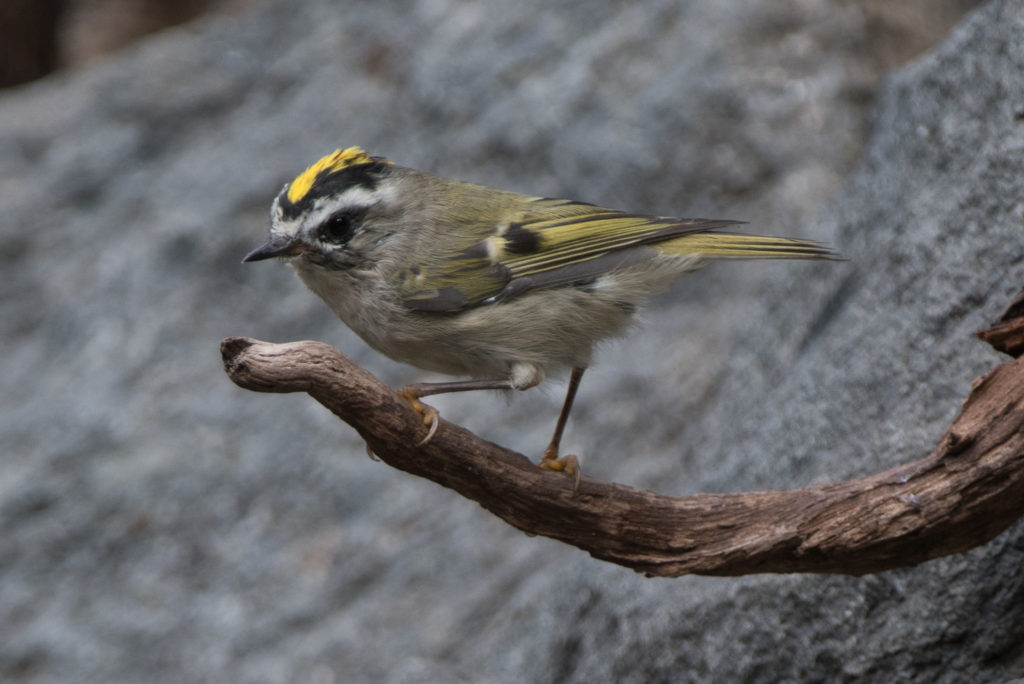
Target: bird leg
x=413 y=394
x=551 y=461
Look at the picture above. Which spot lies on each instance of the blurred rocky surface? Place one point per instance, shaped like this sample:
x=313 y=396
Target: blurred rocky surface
x=40 y=36
x=161 y=524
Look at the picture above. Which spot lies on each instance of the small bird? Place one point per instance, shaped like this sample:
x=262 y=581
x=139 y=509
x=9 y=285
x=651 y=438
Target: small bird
x=469 y=280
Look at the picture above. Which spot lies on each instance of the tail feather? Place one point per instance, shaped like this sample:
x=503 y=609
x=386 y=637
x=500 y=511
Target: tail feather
x=739 y=246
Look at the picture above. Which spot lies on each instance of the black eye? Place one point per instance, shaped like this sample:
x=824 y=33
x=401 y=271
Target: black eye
x=338 y=228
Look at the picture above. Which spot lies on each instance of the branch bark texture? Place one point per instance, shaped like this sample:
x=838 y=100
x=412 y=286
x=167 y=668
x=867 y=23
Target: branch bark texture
x=966 y=491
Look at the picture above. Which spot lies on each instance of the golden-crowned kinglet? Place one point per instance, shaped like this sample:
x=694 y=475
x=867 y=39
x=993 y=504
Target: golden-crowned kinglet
x=469 y=280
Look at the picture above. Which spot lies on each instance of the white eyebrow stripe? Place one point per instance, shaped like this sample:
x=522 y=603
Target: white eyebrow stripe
x=361 y=196
x=355 y=197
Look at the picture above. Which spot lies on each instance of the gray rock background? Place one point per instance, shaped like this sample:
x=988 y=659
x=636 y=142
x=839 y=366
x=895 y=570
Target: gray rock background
x=160 y=524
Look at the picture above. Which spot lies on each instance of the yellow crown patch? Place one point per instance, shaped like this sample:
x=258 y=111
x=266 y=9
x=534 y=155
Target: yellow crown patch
x=335 y=161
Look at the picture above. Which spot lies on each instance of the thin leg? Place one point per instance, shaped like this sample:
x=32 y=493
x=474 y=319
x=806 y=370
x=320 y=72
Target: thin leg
x=413 y=393
x=551 y=460
x=551 y=453
x=426 y=389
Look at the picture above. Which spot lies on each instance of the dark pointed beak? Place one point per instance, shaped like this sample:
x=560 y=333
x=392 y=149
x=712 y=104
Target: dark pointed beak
x=276 y=246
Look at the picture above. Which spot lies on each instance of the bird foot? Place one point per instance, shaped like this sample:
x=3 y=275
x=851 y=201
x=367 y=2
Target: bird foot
x=570 y=465
x=431 y=417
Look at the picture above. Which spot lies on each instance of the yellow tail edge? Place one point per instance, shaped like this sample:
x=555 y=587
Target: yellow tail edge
x=739 y=246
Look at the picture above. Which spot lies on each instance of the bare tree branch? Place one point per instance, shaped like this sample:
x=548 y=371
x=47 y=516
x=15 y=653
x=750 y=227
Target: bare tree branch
x=966 y=491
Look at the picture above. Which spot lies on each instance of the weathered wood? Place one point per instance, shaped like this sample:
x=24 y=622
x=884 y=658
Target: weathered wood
x=966 y=491
x=1007 y=335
